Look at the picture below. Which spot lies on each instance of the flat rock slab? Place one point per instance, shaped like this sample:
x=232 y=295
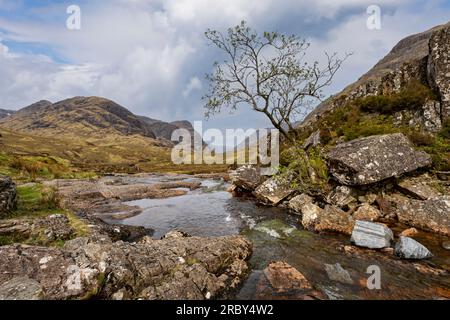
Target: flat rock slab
x=21 y=288
x=273 y=191
x=282 y=281
x=371 y=235
x=176 y=267
x=420 y=187
x=408 y=248
x=373 y=159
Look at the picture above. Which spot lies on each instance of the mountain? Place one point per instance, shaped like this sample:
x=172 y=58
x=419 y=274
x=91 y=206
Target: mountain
x=164 y=130
x=5 y=113
x=161 y=129
x=85 y=116
x=424 y=57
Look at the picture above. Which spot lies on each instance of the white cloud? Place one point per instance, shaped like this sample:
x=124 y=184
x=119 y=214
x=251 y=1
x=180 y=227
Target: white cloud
x=149 y=55
x=194 y=84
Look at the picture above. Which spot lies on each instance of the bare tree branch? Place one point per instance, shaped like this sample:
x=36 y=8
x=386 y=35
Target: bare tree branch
x=267 y=73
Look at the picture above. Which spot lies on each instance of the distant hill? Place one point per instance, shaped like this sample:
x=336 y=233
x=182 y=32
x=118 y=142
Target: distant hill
x=80 y=116
x=164 y=130
x=5 y=113
x=161 y=129
x=89 y=117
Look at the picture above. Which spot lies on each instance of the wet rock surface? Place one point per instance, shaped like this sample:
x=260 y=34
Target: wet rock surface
x=408 y=248
x=337 y=273
x=172 y=268
x=8 y=196
x=372 y=159
x=282 y=281
x=105 y=198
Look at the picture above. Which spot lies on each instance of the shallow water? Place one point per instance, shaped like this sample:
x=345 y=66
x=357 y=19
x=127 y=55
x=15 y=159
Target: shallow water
x=277 y=235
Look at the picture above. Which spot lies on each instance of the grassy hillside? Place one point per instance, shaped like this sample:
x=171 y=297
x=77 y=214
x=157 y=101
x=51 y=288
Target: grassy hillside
x=28 y=157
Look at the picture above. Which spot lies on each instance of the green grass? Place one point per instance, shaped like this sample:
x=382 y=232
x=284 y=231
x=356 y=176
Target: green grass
x=306 y=171
x=373 y=116
x=34 y=168
x=36 y=201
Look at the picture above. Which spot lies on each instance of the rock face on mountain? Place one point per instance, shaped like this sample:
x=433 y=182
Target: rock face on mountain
x=5 y=113
x=373 y=159
x=161 y=129
x=89 y=116
x=424 y=57
x=164 y=130
x=439 y=67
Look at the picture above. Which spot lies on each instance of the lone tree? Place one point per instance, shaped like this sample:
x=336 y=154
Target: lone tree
x=267 y=73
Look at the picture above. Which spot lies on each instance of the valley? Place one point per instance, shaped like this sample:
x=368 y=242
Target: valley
x=93 y=207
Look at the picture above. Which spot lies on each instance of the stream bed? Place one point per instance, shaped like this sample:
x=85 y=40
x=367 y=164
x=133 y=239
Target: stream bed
x=277 y=235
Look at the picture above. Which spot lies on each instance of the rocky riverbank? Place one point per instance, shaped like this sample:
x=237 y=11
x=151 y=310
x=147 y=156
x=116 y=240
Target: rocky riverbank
x=375 y=182
x=114 y=261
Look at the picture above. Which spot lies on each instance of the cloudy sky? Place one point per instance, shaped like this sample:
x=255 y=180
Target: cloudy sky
x=151 y=56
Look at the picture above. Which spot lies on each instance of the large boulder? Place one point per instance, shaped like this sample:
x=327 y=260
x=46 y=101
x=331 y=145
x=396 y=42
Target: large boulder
x=273 y=191
x=247 y=177
x=329 y=219
x=8 y=196
x=171 y=268
x=333 y=219
x=371 y=235
x=372 y=159
x=432 y=215
x=408 y=248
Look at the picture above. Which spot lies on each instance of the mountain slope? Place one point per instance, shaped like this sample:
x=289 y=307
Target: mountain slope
x=5 y=113
x=161 y=129
x=423 y=57
x=79 y=116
